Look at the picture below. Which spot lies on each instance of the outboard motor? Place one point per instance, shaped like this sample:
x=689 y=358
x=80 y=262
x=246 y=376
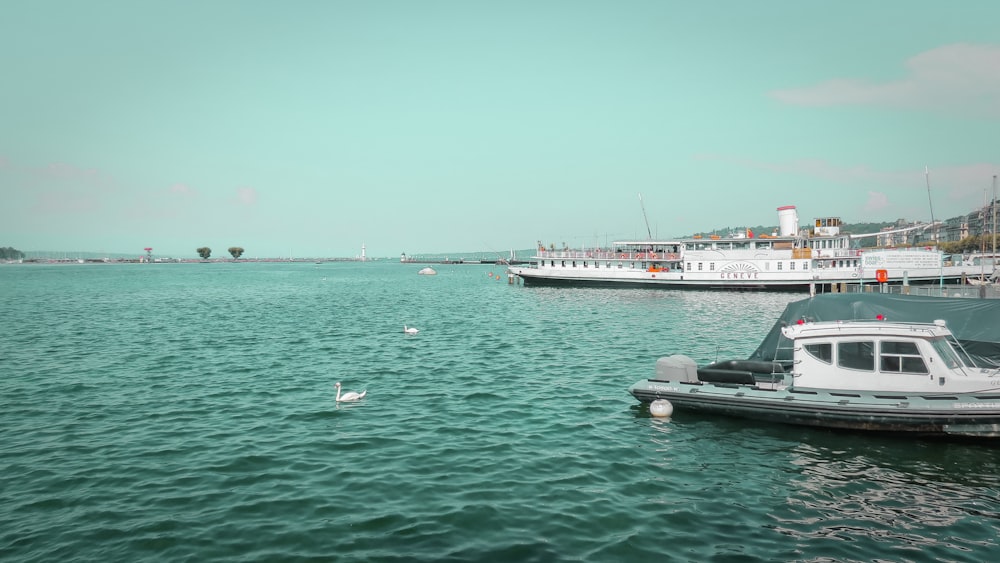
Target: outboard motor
x=677 y=368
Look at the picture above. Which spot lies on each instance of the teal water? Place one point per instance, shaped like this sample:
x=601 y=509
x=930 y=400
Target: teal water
x=186 y=412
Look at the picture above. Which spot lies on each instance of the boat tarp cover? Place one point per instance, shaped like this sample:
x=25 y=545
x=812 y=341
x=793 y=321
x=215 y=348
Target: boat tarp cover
x=974 y=322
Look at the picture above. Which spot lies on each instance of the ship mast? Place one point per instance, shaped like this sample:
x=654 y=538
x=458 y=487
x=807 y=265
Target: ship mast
x=937 y=237
x=643 y=207
x=994 y=222
x=930 y=203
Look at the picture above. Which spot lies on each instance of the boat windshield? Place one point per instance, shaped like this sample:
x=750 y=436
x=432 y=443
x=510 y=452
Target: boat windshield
x=953 y=356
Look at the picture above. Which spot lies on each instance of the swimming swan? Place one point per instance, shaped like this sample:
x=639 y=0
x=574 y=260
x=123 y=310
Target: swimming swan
x=410 y=330
x=350 y=395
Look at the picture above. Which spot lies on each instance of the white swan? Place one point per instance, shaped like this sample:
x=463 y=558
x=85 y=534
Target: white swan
x=350 y=395
x=410 y=330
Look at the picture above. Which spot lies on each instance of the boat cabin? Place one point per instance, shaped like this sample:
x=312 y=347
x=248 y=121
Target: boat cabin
x=883 y=356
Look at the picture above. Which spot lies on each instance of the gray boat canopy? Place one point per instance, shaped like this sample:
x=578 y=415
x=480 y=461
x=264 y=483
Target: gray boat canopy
x=974 y=322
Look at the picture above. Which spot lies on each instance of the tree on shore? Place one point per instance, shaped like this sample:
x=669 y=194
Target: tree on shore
x=9 y=253
x=204 y=252
x=236 y=251
x=974 y=243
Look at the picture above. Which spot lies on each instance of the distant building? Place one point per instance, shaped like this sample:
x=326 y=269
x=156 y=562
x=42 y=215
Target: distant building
x=975 y=223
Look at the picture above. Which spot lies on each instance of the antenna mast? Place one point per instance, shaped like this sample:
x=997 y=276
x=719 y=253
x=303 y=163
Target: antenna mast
x=927 y=179
x=641 y=205
x=994 y=221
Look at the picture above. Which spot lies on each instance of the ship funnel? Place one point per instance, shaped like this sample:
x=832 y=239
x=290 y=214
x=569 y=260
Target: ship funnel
x=788 y=221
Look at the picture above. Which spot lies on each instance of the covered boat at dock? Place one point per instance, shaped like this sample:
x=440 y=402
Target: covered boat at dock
x=863 y=372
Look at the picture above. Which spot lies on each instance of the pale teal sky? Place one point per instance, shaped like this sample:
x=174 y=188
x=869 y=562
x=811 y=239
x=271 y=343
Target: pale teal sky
x=309 y=128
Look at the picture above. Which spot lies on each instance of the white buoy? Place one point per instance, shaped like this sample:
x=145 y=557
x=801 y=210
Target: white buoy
x=661 y=408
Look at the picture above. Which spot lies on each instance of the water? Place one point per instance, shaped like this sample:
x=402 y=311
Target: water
x=186 y=412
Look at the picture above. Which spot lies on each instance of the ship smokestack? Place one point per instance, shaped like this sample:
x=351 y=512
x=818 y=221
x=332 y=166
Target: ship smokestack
x=788 y=221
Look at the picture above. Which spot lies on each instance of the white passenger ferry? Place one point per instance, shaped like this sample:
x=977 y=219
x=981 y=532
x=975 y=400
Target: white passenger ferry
x=789 y=259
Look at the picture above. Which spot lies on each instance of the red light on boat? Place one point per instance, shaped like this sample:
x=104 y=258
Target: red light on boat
x=880 y=317
x=801 y=321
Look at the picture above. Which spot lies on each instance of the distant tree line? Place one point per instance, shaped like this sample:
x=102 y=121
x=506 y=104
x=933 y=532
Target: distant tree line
x=8 y=253
x=975 y=243
x=853 y=228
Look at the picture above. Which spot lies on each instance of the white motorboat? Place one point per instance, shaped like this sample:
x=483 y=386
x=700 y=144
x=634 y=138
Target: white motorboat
x=905 y=377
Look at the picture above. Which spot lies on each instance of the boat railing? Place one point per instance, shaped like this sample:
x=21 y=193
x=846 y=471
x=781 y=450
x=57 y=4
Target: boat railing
x=836 y=253
x=604 y=255
x=990 y=291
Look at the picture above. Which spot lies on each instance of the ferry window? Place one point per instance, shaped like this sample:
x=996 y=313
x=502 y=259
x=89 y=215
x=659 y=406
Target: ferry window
x=805 y=265
x=563 y=263
x=688 y=266
x=619 y=265
x=779 y=266
x=856 y=355
x=822 y=352
x=791 y=265
x=901 y=357
x=699 y=266
x=711 y=266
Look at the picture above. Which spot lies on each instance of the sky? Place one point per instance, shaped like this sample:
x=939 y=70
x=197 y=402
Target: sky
x=311 y=128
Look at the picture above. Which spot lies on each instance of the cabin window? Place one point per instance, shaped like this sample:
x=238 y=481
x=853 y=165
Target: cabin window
x=699 y=266
x=946 y=352
x=711 y=266
x=779 y=266
x=901 y=357
x=805 y=265
x=619 y=265
x=574 y=263
x=791 y=265
x=822 y=352
x=856 y=355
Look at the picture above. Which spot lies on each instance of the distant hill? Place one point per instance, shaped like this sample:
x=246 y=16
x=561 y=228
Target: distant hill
x=853 y=228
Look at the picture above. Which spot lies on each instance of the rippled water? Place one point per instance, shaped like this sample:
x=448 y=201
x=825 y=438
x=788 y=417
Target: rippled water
x=186 y=412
